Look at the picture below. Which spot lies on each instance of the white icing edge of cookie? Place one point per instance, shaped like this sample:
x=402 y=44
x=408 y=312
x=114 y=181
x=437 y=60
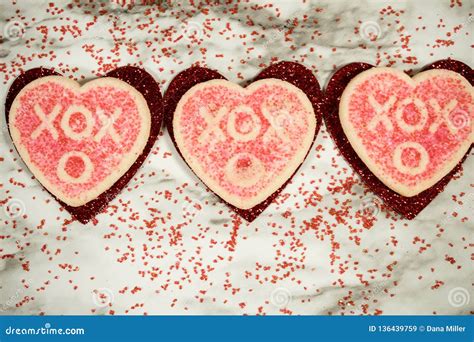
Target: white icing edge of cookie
x=359 y=148
x=292 y=165
x=126 y=162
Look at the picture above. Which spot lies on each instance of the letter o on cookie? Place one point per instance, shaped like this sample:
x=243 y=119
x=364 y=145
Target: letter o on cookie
x=86 y=132
x=409 y=128
x=398 y=162
x=244 y=170
x=86 y=173
x=254 y=127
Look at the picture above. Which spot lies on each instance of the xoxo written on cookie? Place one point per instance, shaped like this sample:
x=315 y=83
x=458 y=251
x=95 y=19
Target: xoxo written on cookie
x=83 y=143
x=245 y=144
x=405 y=136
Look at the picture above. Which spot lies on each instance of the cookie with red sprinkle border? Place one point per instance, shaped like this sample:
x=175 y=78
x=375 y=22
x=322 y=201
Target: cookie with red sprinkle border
x=413 y=198
x=226 y=133
x=98 y=134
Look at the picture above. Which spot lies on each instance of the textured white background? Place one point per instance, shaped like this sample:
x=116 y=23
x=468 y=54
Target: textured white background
x=165 y=245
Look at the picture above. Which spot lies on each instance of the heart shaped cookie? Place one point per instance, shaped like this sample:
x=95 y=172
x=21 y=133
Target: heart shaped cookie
x=404 y=135
x=245 y=144
x=84 y=143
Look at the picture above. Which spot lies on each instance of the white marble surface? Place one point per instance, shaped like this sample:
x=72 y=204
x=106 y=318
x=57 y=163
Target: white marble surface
x=154 y=251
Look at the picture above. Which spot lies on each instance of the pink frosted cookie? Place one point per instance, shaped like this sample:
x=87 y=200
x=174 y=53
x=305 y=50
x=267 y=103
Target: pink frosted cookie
x=244 y=143
x=79 y=141
x=410 y=132
x=411 y=206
